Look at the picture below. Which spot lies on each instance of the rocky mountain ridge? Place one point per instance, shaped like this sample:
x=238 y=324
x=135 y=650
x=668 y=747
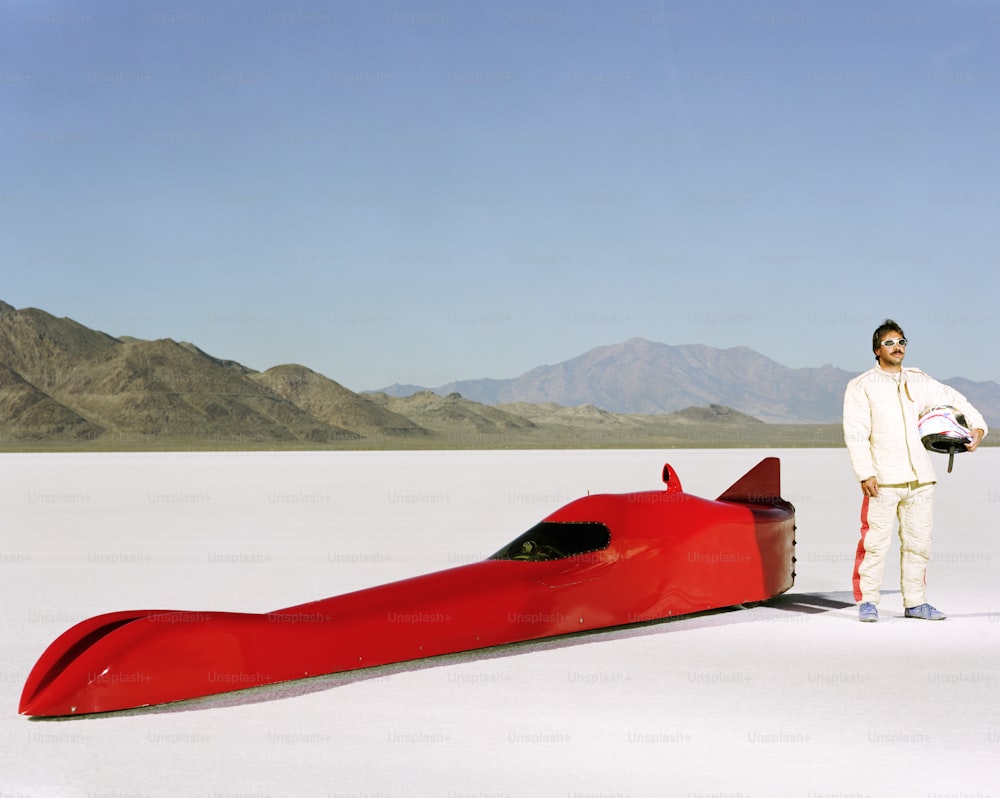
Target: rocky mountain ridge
x=65 y=385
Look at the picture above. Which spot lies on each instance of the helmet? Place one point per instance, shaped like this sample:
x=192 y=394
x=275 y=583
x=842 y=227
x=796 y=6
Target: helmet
x=943 y=429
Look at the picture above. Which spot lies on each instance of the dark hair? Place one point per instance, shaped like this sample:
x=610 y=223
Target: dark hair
x=886 y=326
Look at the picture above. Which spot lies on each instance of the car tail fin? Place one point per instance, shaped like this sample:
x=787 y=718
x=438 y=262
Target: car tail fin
x=760 y=485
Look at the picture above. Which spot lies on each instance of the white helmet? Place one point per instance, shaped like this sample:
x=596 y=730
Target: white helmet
x=943 y=429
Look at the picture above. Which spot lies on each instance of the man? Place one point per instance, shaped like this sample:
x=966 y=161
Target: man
x=881 y=408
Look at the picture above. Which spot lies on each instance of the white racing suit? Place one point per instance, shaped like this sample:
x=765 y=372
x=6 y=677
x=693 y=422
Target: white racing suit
x=881 y=410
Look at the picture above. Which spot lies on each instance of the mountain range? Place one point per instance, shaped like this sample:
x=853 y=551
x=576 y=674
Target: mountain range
x=640 y=376
x=65 y=385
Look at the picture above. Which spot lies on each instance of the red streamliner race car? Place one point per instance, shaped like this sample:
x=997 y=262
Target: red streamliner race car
x=600 y=561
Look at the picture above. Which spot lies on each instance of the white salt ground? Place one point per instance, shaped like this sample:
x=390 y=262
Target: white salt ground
x=792 y=699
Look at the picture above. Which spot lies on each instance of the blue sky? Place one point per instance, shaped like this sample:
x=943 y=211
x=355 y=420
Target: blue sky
x=420 y=192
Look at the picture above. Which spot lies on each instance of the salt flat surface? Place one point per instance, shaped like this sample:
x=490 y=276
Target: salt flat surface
x=796 y=698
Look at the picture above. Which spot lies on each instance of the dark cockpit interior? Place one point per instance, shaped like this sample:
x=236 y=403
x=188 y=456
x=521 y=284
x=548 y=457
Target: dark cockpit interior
x=554 y=540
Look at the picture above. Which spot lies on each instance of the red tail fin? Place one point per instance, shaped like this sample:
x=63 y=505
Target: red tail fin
x=760 y=485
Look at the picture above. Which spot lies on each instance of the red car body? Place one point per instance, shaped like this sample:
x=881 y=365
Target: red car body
x=600 y=561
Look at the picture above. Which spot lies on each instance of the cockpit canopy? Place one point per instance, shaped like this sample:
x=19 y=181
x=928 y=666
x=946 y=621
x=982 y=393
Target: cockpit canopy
x=556 y=540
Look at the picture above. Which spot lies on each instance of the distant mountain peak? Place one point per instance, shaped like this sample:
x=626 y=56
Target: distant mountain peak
x=645 y=377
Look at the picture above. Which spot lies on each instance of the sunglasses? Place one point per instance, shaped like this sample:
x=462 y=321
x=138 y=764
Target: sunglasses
x=891 y=342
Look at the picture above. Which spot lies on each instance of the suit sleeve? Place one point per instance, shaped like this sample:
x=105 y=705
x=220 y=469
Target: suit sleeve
x=857 y=431
x=973 y=418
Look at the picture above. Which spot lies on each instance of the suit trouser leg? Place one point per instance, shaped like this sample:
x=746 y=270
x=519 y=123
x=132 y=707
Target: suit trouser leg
x=878 y=521
x=916 y=521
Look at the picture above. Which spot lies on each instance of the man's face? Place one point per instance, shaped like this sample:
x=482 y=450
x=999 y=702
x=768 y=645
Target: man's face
x=891 y=350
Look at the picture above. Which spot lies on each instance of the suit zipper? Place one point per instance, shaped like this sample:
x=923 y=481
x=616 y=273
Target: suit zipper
x=906 y=430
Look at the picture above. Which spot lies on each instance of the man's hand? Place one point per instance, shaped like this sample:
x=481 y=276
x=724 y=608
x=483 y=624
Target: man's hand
x=869 y=486
x=977 y=437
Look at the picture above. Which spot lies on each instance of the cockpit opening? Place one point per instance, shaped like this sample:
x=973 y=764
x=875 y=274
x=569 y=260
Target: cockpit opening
x=556 y=540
